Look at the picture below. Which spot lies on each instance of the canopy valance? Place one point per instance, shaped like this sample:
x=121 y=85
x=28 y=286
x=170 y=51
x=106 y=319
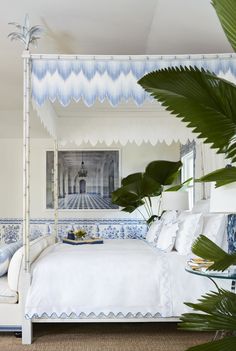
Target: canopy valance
x=91 y=78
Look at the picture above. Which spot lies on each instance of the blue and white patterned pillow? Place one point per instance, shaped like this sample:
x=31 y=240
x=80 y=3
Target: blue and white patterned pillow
x=6 y=253
x=231 y=233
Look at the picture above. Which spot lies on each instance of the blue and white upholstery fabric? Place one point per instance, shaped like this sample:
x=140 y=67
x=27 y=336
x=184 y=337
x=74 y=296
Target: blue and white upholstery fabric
x=6 y=253
x=231 y=232
x=11 y=229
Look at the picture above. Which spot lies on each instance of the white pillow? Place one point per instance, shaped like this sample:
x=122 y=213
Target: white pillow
x=14 y=270
x=190 y=227
x=6 y=253
x=36 y=247
x=214 y=226
x=169 y=216
x=166 y=238
x=154 y=231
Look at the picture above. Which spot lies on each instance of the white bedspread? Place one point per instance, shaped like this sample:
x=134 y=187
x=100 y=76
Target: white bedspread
x=120 y=277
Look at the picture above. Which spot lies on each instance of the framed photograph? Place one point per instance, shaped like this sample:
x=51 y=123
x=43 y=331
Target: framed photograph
x=86 y=179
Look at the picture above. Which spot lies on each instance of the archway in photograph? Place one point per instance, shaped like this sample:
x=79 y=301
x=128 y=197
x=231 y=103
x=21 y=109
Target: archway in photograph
x=82 y=186
x=76 y=189
x=111 y=178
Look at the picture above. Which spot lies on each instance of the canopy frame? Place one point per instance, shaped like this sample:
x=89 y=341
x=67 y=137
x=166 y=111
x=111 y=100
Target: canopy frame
x=27 y=62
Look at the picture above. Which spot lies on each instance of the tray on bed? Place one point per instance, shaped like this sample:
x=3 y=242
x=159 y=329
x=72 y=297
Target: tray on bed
x=83 y=242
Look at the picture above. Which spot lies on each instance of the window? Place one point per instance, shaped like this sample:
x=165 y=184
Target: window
x=188 y=172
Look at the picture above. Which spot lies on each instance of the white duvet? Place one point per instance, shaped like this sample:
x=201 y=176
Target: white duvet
x=119 y=277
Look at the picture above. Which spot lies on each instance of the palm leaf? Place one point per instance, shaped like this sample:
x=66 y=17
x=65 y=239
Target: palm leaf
x=131 y=178
x=28 y=35
x=201 y=99
x=131 y=206
x=208 y=250
x=35 y=30
x=218 y=312
x=221 y=176
x=141 y=184
x=205 y=322
x=34 y=39
x=182 y=186
x=226 y=12
x=17 y=25
x=164 y=172
x=34 y=42
x=17 y=36
x=226 y=344
x=219 y=302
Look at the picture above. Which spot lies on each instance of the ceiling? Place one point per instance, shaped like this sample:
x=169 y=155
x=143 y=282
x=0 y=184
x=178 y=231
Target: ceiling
x=103 y=27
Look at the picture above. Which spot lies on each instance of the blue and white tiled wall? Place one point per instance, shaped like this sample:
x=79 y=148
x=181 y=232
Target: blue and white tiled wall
x=11 y=229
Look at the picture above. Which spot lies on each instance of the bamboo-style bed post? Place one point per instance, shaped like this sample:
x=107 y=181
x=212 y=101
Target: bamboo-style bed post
x=26 y=159
x=26 y=324
x=55 y=183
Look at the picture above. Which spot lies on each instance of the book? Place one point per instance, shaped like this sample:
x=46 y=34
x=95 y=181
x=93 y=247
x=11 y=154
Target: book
x=82 y=242
x=199 y=264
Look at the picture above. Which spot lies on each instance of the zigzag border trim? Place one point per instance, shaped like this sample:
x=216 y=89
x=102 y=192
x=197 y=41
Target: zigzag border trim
x=92 y=315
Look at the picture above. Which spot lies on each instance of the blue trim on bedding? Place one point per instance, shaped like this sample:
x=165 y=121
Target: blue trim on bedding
x=92 y=315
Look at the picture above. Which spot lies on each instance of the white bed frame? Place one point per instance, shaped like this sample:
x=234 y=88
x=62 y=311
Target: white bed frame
x=27 y=325
x=18 y=310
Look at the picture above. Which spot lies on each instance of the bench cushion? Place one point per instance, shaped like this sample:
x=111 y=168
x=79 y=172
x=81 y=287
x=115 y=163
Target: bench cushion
x=6 y=294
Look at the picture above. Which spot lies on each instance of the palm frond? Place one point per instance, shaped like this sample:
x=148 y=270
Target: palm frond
x=217 y=312
x=182 y=186
x=164 y=172
x=226 y=12
x=28 y=35
x=218 y=303
x=226 y=344
x=34 y=43
x=16 y=36
x=34 y=38
x=221 y=176
x=208 y=250
x=205 y=322
x=35 y=30
x=17 y=25
x=201 y=99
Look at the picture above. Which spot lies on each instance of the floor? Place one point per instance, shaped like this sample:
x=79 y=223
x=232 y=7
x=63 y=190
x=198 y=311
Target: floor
x=106 y=337
x=85 y=201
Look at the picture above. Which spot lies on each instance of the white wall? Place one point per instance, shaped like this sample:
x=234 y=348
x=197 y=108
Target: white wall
x=133 y=159
x=207 y=160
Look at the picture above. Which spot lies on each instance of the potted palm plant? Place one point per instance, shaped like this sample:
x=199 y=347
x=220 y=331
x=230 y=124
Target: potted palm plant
x=207 y=103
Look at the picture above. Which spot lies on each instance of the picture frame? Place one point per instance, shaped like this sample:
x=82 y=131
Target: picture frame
x=86 y=179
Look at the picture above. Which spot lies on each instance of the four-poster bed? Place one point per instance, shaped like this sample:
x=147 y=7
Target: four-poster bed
x=65 y=78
